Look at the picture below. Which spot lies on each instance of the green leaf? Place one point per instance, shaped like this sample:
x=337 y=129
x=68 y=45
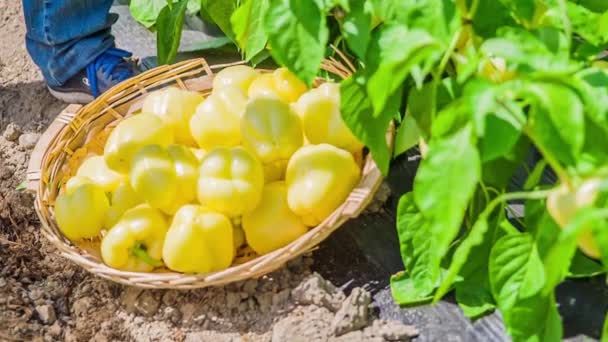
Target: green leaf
x=593 y=27
x=582 y=266
x=417 y=251
x=297 y=33
x=408 y=135
x=169 y=25
x=445 y=183
x=357 y=112
x=521 y=9
x=22 y=186
x=404 y=292
x=561 y=135
x=535 y=176
x=541 y=50
x=146 y=11
x=490 y=16
x=420 y=102
x=220 y=12
x=541 y=225
x=393 y=52
x=247 y=24
x=356 y=27
x=516 y=270
x=605 y=329
x=534 y=319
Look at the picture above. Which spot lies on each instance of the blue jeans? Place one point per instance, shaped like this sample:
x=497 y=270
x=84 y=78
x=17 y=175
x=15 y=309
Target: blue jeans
x=64 y=36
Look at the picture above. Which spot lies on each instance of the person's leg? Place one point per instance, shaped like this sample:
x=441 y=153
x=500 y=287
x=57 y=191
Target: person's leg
x=64 y=36
x=70 y=41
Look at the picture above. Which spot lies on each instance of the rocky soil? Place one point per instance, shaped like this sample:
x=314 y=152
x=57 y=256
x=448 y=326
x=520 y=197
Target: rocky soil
x=43 y=297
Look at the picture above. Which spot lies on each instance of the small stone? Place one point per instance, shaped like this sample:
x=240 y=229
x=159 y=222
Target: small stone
x=172 y=314
x=233 y=299
x=170 y=297
x=280 y=298
x=394 y=330
x=55 y=329
x=46 y=313
x=147 y=304
x=188 y=311
x=303 y=327
x=12 y=132
x=250 y=286
x=354 y=313
x=2 y=282
x=129 y=298
x=28 y=140
x=264 y=300
x=316 y=290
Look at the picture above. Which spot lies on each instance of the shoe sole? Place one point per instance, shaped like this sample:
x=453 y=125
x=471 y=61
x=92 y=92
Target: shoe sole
x=72 y=97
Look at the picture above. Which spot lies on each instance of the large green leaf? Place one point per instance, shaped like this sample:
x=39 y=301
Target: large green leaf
x=297 y=33
x=220 y=12
x=582 y=266
x=393 y=52
x=169 y=25
x=516 y=270
x=356 y=27
x=498 y=120
x=357 y=112
x=146 y=11
x=419 y=257
x=408 y=135
x=534 y=319
x=405 y=292
x=593 y=27
x=561 y=135
x=490 y=16
x=445 y=183
x=420 y=102
x=523 y=10
x=541 y=50
x=248 y=27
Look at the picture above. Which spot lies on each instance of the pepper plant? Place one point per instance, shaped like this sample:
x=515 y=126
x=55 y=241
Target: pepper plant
x=478 y=86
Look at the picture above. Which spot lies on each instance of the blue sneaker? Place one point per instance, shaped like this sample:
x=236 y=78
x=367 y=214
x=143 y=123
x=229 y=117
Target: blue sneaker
x=107 y=70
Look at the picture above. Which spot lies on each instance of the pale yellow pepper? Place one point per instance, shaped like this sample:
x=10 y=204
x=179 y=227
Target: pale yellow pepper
x=273 y=132
x=216 y=121
x=95 y=169
x=319 y=109
x=123 y=198
x=165 y=177
x=281 y=83
x=319 y=178
x=199 y=241
x=238 y=75
x=272 y=225
x=230 y=181
x=175 y=107
x=130 y=136
x=135 y=243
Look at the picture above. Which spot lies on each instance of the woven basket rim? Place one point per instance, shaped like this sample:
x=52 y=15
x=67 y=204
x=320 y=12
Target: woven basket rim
x=72 y=123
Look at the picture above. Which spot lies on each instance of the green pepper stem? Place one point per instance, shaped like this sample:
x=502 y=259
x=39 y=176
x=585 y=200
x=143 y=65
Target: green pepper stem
x=140 y=252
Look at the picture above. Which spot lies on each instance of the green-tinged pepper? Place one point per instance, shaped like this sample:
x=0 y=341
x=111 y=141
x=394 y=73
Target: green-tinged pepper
x=135 y=243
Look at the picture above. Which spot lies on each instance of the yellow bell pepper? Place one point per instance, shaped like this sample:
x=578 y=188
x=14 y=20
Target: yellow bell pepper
x=199 y=153
x=123 y=198
x=239 y=236
x=98 y=172
x=319 y=178
x=132 y=134
x=135 y=243
x=165 y=177
x=198 y=241
x=80 y=211
x=238 y=75
x=216 y=121
x=272 y=225
x=281 y=83
x=319 y=109
x=175 y=107
x=273 y=132
x=563 y=204
x=230 y=181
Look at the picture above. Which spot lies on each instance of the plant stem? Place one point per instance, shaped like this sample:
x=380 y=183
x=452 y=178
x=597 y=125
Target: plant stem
x=140 y=252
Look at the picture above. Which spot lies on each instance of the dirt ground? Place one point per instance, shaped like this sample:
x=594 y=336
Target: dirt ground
x=44 y=297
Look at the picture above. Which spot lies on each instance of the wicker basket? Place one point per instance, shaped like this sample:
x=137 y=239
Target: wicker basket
x=78 y=131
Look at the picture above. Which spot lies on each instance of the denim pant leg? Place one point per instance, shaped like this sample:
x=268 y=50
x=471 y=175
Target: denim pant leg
x=64 y=36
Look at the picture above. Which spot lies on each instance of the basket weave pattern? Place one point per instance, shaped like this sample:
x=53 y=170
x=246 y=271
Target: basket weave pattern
x=81 y=130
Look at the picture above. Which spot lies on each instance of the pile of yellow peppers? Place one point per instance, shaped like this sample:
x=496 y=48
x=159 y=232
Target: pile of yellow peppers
x=191 y=179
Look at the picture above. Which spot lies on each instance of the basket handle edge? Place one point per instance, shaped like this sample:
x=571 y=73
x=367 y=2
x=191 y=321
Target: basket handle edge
x=34 y=166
